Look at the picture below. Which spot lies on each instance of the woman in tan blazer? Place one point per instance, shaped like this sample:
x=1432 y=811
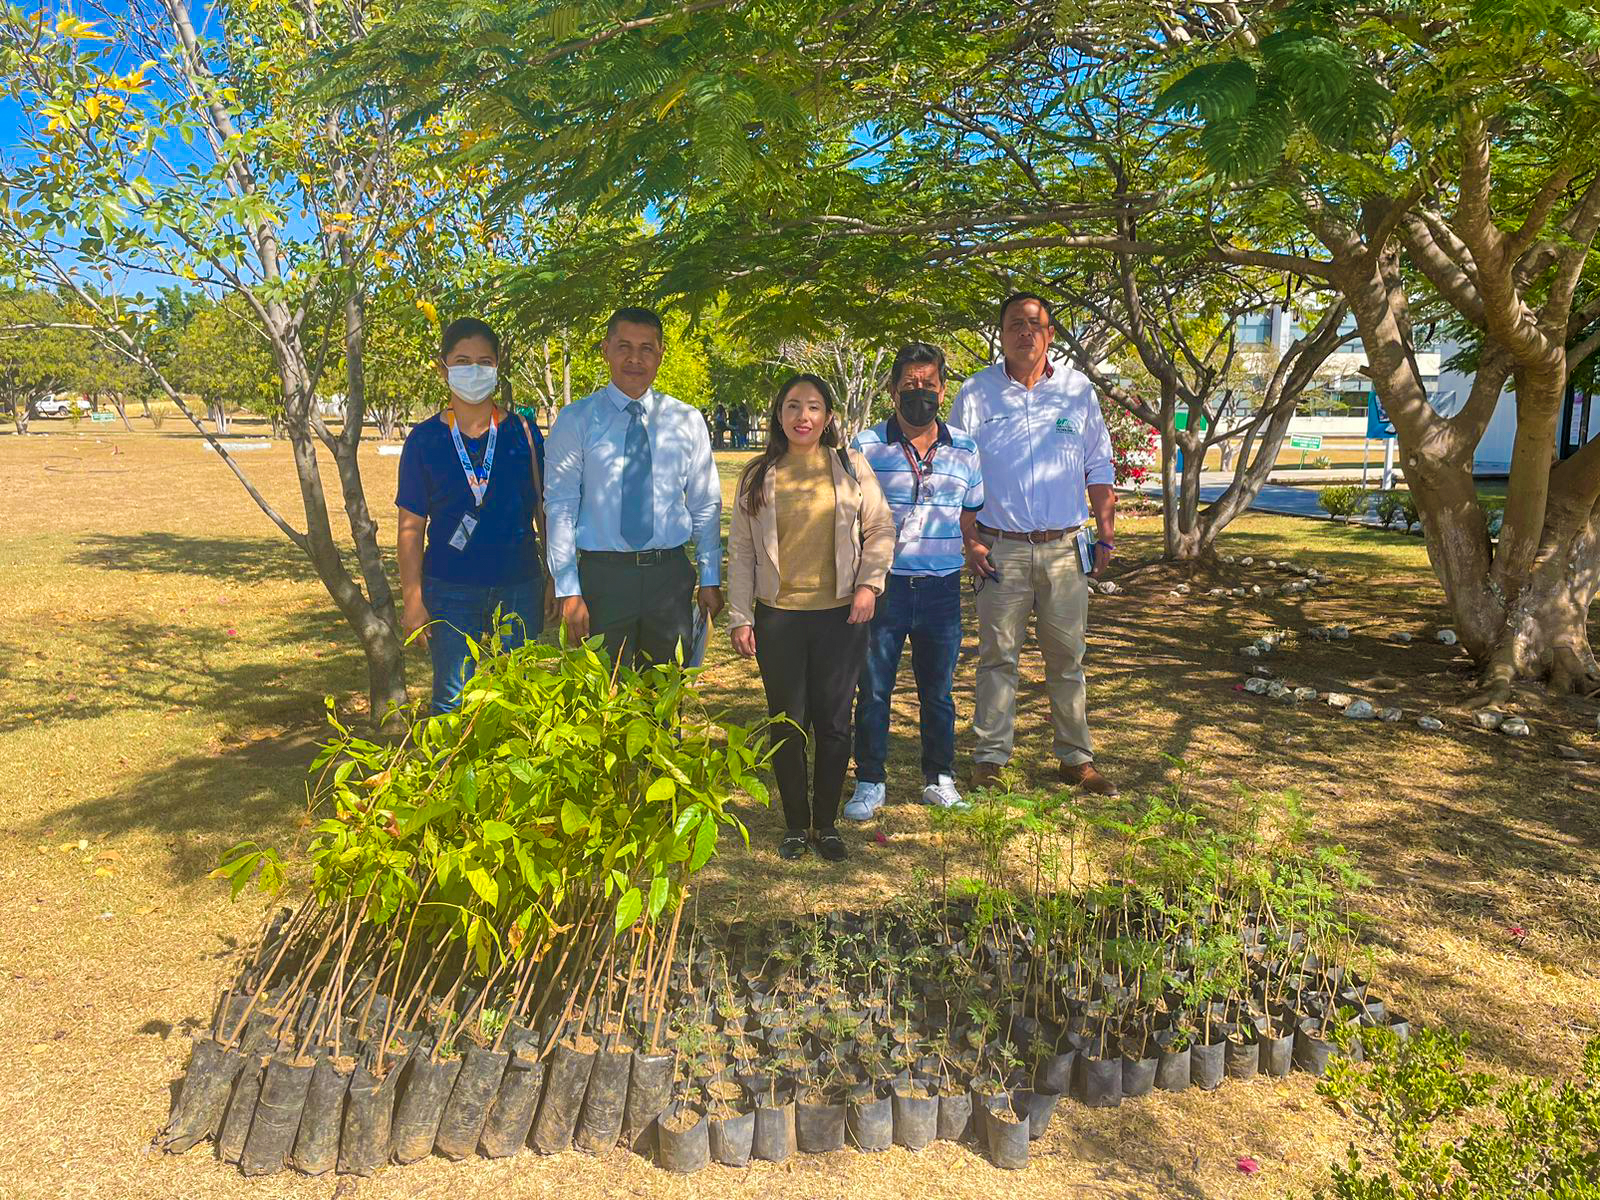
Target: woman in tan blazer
x=811 y=542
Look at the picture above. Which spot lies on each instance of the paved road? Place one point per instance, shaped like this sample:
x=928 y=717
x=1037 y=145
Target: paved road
x=1274 y=498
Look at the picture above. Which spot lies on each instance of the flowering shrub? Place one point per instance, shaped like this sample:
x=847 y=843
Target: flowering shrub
x=1133 y=444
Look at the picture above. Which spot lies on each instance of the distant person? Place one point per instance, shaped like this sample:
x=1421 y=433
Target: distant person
x=930 y=477
x=810 y=542
x=631 y=483
x=741 y=425
x=1047 y=477
x=719 y=426
x=470 y=487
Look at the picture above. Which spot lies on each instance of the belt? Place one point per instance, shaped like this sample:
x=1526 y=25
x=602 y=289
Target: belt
x=636 y=558
x=1035 y=537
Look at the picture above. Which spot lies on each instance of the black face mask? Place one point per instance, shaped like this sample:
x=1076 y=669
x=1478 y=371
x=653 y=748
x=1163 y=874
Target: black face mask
x=919 y=406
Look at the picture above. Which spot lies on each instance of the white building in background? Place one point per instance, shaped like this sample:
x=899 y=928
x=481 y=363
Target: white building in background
x=1338 y=407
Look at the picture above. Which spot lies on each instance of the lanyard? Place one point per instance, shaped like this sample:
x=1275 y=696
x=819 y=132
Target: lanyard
x=477 y=477
x=918 y=467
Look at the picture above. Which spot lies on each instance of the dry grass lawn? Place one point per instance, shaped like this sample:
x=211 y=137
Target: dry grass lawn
x=164 y=656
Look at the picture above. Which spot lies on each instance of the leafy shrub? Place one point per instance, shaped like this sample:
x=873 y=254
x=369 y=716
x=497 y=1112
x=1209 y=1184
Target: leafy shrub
x=1408 y=510
x=1527 y=1138
x=1397 y=503
x=565 y=808
x=1343 y=500
x=1322 y=462
x=1388 y=507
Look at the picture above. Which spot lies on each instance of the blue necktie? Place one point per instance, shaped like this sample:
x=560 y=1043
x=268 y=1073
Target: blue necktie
x=638 y=498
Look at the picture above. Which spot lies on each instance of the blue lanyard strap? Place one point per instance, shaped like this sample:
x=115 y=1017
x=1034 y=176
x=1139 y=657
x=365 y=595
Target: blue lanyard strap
x=477 y=477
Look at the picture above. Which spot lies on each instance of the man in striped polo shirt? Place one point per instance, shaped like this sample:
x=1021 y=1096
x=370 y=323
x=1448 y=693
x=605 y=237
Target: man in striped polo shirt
x=929 y=475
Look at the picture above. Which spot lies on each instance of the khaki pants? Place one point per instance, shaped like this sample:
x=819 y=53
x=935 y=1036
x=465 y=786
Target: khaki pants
x=1047 y=582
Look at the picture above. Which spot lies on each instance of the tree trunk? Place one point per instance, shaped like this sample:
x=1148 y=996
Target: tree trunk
x=119 y=403
x=375 y=628
x=377 y=623
x=566 y=370
x=1546 y=630
x=1184 y=534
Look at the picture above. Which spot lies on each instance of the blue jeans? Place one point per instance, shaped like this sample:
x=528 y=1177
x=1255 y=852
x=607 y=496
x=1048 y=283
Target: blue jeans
x=927 y=609
x=463 y=610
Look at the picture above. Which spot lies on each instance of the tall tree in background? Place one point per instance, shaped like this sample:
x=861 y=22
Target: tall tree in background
x=145 y=144
x=831 y=158
x=221 y=356
x=1457 y=148
x=38 y=352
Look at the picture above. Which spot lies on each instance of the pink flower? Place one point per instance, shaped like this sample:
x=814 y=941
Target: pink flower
x=233 y=633
x=1238 y=687
x=881 y=838
x=1248 y=1165
x=1517 y=932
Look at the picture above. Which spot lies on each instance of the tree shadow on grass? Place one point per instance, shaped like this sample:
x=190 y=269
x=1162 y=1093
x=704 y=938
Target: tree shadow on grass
x=129 y=665
x=252 y=783
x=235 y=560
x=200 y=804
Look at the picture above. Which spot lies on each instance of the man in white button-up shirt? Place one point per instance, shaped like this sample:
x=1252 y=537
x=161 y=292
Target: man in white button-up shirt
x=629 y=481
x=1046 y=460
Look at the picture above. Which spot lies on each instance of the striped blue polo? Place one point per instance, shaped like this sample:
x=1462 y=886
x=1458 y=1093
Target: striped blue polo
x=927 y=494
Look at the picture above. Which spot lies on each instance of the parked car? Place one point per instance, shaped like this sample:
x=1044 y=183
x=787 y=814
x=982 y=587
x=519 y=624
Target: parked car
x=59 y=406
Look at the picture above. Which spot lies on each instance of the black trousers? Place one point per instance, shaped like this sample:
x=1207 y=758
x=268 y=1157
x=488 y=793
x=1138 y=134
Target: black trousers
x=641 y=609
x=810 y=663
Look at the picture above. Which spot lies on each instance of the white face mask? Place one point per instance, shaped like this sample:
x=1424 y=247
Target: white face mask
x=473 y=383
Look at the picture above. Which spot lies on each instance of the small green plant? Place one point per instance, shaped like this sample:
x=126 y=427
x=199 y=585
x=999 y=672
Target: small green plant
x=1494 y=513
x=1408 y=510
x=1388 y=507
x=1455 y=1134
x=1343 y=500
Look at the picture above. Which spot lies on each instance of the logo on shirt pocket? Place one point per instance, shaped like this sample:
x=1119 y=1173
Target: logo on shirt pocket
x=1068 y=425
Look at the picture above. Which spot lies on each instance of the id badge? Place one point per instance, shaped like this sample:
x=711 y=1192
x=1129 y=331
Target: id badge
x=463 y=533
x=912 y=526
x=1085 y=551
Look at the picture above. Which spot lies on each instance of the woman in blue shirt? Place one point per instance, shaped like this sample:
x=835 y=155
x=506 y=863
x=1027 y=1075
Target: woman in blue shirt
x=471 y=485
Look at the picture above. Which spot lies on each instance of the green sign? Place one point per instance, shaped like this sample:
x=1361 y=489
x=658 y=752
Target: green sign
x=102 y=416
x=1305 y=441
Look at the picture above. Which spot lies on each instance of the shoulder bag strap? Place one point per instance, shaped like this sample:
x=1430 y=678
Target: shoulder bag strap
x=538 y=483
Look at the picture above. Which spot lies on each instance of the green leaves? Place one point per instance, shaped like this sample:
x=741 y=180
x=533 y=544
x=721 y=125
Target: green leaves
x=629 y=905
x=1212 y=91
x=1300 y=75
x=483 y=883
x=243 y=862
x=705 y=843
x=557 y=801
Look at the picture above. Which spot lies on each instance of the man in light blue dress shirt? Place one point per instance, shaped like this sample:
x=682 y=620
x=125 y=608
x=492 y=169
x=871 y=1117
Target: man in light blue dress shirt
x=629 y=482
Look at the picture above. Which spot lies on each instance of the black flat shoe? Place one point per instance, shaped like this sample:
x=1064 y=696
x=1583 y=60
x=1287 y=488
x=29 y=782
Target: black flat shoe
x=830 y=846
x=793 y=846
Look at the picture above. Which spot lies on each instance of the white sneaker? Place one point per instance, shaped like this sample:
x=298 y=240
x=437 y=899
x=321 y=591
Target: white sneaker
x=943 y=794
x=865 y=802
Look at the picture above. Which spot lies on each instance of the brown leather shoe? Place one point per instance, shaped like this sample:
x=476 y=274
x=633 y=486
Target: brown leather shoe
x=985 y=774
x=1085 y=778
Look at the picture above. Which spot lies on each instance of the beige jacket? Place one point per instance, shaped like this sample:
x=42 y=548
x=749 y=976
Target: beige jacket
x=863 y=540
